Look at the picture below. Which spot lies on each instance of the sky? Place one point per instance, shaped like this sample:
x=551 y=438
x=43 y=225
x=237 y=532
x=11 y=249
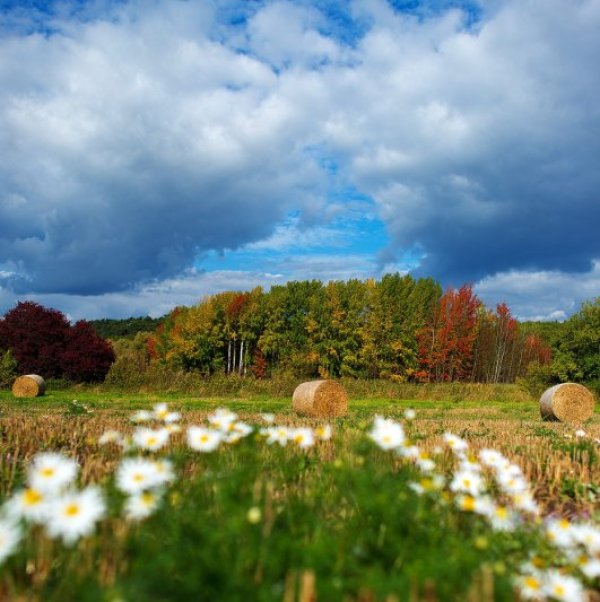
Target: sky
x=156 y=151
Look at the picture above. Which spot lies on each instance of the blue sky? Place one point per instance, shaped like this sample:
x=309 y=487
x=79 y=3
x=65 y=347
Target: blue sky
x=155 y=151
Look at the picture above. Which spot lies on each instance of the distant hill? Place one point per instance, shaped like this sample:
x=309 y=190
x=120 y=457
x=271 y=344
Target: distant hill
x=126 y=328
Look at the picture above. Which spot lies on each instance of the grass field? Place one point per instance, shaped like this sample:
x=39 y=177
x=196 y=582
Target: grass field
x=342 y=519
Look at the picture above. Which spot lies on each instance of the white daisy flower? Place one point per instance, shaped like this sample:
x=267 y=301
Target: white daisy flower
x=141 y=505
x=150 y=439
x=482 y=505
x=530 y=586
x=455 y=443
x=563 y=588
x=590 y=567
x=161 y=412
x=172 y=428
x=323 y=432
x=268 y=418
x=74 y=514
x=165 y=473
x=29 y=504
x=387 y=434
x=202 y=439
x=525 y=502
x=278 y=434
x=467 y=482
x=410 y=414
x=411 y=452
x=560 y=532
x=135 y=475
x=303 y=437
x=10 y=537
x=580 y=433
x=222 y=419
x=588 y=536
x=110 y=436
x=50 y=472
x=141 y=416
x=502 y=518
x=492 y=458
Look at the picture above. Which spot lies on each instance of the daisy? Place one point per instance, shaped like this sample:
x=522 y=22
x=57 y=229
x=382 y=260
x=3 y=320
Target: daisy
x=387 y=434
x=10 y=537
x=278 y=434
x=110 y=436
x=222 y=419
x=530 y=587
x=502 y=519
x=141 y=505
x=135 y=475
x=563 y=587
x=161 y=412
x=30 y=504
x=456 y=444
x=467 y=482
x=492 y=458
x=303 y=437
x=323 y=432
x=560 y=532
x=150 y=439
x=268 y=418
x=410 y=414
x=588 y=536
x=50 y=472
x=141 y=416
x=590 y=567
x=202 y=439
x=525 y=502
x=75 y=514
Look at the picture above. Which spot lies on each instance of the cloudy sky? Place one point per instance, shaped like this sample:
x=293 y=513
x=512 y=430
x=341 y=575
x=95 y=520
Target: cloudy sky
x=154 y=151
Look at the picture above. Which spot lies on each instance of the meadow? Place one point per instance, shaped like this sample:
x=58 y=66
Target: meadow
x=293 y=514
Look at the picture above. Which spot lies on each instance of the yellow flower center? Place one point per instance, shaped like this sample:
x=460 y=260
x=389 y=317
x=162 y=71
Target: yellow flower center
x=204 y=438
x=501 y=512
x=559 y=589
x=152 y=441
x=147 y=499
x=138 y=477
x=72 y=510
x=31 y=497
x=468 y=503
x=47 y=472
x=532 y=583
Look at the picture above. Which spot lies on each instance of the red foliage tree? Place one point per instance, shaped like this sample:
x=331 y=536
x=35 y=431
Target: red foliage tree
x=446 y=345
x=87 y=357
x=43 y=342
x=37 y=337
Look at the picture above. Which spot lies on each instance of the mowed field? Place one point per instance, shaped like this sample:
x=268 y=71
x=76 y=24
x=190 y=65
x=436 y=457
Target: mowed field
x=340 y=518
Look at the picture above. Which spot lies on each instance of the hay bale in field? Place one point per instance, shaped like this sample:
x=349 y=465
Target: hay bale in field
x=320 y=398
x=567 y=402
x=30 y=385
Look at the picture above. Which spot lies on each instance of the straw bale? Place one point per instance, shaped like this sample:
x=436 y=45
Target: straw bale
x=567 y=402
x=30 y=385
x=320 y=398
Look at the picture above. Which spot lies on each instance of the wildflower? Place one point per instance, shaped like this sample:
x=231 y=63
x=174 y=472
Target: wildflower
x=492 y=458
x=110 y=436
x=268 y=418
x=530 y=587
x=525 y=502
x=456 y=444
x=10 y=537
x=469 y=464
x=323 y=432
x=141 y=505
x=51 y=472
x=563 y=587
x=150 y=439
x=511 y=483
x=406 y=450
x=164 y=471
x=502 y=519
x=161 y=412
x=590 y=567
x=387 y=434
x=410 y=414
x=467 y=482
x=30 y=504
x=173 y=428
x=580 y=433
x=222 y=419
x=141 y=416
x=202 y=439
x=434 y=482
x=477 y=504
x=303 y=437
x=75 y=514
x=254 y=515
x=135 y=475
x=560 y=532
x=278 y=434
x=588 y=536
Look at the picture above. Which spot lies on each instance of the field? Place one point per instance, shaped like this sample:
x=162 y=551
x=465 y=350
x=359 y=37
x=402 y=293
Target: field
x=340 y=519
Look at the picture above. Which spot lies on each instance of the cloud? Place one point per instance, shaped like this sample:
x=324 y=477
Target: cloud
x=140 y=137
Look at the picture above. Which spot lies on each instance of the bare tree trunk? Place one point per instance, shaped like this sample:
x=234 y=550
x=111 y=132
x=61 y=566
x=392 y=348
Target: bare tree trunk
x=229 y=357
x=241 y=364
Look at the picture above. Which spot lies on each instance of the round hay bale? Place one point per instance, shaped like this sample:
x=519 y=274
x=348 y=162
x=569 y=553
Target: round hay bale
x=30 y=385
x=567 y=402
x=320 y=398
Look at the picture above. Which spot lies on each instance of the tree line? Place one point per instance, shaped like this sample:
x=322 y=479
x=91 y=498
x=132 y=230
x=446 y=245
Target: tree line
x=397 y=328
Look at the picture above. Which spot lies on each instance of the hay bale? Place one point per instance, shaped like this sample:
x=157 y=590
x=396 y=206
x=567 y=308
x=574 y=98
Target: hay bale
x=567 y=402
x=320 y=398
x=30 y=385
